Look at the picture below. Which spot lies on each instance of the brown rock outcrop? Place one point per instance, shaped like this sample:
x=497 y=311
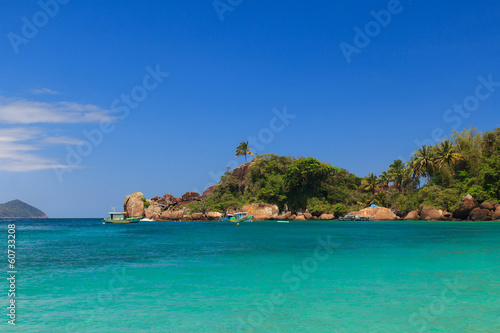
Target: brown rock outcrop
x=213 y=216
x=487 y=205
x=133 y=205
x=170 y=200
x=377 y=213
x=496 y=214
x=175 y=216
x=198 y=216
x=412 y=216
x=431 y=214
x=308 y=216
x=327 y=217
x=150 y=215
x=261 y=211
x=191 y=197
x=165 y=216
x=479 y=214
x=209 y=191
x=300 y=217
x=464 y=209
x=241 y=172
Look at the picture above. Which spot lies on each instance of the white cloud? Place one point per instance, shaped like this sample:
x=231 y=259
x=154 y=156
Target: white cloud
x=28 y=112
x=62 y=140
x=43 y=91
x=19 y=149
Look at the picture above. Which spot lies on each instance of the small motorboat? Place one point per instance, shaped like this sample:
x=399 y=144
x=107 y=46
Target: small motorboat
x=236 y=217
x=119 y=217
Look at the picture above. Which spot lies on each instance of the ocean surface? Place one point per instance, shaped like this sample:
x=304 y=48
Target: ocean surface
x=78 y=275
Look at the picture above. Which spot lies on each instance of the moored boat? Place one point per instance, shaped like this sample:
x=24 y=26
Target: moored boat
x=119 y=217
x=236 y=217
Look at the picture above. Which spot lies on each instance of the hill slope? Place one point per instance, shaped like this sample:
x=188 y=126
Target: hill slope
x=18 y=209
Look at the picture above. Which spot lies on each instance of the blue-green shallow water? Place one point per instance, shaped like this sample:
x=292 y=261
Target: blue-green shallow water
x=83 y=276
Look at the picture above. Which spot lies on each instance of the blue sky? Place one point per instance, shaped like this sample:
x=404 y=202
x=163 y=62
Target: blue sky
x=99 y=99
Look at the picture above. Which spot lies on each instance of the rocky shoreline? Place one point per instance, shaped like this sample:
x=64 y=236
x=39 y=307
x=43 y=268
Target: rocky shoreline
x=171 y=208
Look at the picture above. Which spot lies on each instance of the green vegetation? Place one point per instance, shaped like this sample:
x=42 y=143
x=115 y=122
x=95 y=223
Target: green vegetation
x=146 y=202
x=439 y=176
x=19 y=209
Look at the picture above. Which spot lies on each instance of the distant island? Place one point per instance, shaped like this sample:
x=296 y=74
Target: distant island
x=16 y=209
x=455 y=180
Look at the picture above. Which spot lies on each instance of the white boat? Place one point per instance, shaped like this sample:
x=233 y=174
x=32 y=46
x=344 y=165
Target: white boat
x=283 y=221
x=147 y=220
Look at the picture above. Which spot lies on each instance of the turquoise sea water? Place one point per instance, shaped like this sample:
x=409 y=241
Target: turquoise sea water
x=83 y=276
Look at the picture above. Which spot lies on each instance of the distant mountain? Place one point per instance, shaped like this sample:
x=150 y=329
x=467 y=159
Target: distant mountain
x=18 y=209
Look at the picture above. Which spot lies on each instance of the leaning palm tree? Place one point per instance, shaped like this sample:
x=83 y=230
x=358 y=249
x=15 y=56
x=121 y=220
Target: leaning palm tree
x=447 y=153
x=370 y=183
x=244 y=149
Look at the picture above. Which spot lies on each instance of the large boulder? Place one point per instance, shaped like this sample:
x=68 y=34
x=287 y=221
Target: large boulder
x=198 y=216
x=170 y=200
x=479 y=214
x=133 y=205
x=261 y=211
x=213 y=216
x=191 y=197
x=176 y=216
x=209 y=191
x=496 y=214
x=153 y=208
x=376 y=213
x=165 y=216
x=327 y=217
x=151 y=215
x=487 y=205
x=413 y=216
x=308 y=216
x=464 y=209
x=300 y=217
x=431 y=214
x=241 y=172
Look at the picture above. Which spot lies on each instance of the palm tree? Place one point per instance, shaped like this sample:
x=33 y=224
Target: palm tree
x=384 y=178
x=448 y=154
x=423 y=162
x=397 y=172
x=411 y=175
x=370 y=183
x=244 y=149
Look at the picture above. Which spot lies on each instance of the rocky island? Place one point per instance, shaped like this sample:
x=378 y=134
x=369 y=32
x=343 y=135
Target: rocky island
x=16 y=209
x=457 y=179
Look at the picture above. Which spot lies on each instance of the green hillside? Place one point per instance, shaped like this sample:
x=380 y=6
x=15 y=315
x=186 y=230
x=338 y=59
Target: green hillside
x=18 y=209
